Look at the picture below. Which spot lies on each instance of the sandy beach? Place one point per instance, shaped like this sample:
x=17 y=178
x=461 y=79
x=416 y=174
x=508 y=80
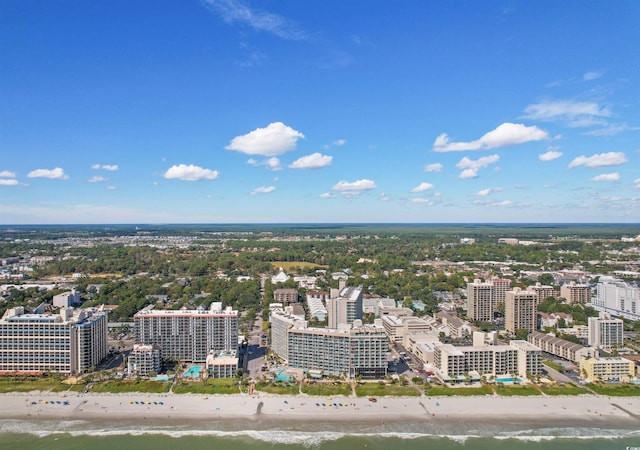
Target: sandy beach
x=138 y=408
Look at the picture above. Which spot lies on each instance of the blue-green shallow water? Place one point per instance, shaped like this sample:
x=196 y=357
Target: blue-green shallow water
x=53 y=435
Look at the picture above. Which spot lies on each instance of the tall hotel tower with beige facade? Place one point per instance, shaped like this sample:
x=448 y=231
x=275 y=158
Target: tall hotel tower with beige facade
x=483 y=298
x=520 y=310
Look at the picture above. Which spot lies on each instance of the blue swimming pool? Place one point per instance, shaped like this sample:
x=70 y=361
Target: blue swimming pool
x=192 y=372
x=508 y=380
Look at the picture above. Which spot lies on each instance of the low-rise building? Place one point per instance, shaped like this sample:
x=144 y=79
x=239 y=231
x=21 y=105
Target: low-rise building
x=223 y=364
x=616 y=369
x=561 y=347
x=144 y=360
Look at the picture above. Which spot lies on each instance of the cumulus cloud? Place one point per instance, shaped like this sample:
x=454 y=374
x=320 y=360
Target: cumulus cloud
x=312 y=161
x=273 y=140
x=435 y=167
x=54 y=174
x=190 y=172
x=599 y=160
x=97 y=179
x=573 y=114
x=422 y=187
x=422 y=201
x=327 y=195
x=272 y=163
x=485 y=192
x=7 y=174
x=8 y=182
x=263 y=190
x=470 y=167
x=109 y=167
x=615 y=176
x=353 y=188
x=504 y=135
x=551 y=154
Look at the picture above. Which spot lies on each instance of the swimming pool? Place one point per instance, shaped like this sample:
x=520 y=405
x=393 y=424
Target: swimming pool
x=508 y=380
x=192 y=372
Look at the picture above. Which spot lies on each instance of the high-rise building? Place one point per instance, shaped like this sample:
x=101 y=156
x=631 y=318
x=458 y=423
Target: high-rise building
x=617 y=298
x=144 y=360
x=575 y=293
x=543 y=291
x=605 y=332
x=351 y=349
x=521 y=310
x=188 y=335
x=70 y=342
x=345 y=308
x=483 y=298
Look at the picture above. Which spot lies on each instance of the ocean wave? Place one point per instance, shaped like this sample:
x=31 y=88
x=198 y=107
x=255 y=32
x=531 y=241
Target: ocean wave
x=307 y=439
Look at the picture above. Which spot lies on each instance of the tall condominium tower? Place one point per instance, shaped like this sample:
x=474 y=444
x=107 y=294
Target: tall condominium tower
x=521 y=310
x=345 y=308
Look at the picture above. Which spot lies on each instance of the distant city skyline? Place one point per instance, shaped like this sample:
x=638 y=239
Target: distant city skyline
x=228 y=111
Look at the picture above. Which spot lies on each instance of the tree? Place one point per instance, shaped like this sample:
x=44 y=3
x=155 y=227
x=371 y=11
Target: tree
x=546 y=279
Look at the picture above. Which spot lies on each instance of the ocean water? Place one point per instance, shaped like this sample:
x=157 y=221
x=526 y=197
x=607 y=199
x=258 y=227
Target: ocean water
x=54 y=435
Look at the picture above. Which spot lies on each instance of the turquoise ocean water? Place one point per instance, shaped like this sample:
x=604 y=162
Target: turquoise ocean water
x=54 y=435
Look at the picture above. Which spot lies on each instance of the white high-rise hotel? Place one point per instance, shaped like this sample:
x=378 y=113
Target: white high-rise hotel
x=188 y=335
x=617 y=298
x=70 y=342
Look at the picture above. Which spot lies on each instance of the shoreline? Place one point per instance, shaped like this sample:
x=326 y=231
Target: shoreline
x=144 y=408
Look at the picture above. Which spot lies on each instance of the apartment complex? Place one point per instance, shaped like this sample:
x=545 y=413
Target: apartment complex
x=561 y=347
x=144 y=360
x=188 y=335
x=518 y=358
x=286 y=296
x=70 y=342
x=351 y=349
x=618 y=298
x=542 y=291
x=521 y=310
x=575 y=293
x=483 y=298
x=607 y=369
x=346 y=307
x=66 y=299
x=605 y=332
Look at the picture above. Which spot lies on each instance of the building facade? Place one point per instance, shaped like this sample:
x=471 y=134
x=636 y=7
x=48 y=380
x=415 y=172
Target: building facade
x=520 y=311
x=71 y=342
x=144 y=360
x=188 y=335
x=607 y=369
x=617 y=298
x=575 y=293
x=561 y=347
x=605 y=332
x=345 y=308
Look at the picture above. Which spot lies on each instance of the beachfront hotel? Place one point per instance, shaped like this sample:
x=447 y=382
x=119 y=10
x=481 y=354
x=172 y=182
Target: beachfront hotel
x=605 y=332
x=351 y=349
x=616 y=369
x=70 y=342
x=188 y=335
x=346 y=307
x=520 y=311
x=618 y=298
x=144 y=360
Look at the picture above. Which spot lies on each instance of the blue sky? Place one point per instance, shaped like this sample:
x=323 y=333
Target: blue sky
x=223 y=111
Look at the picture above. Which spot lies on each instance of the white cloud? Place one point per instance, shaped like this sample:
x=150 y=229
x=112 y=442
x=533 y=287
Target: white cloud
x=272 y=163
x=422 y=187
x=550 y=155
x=573 y=114
x=313 y=161
x=339 y=142
x=109 y=167
x=263 y=190
x=327 y=195
x=636 y=183
x=589 y=76
x=492 y=203
x=8 y=182
x=7 y=174
x=97 y=179
x=190 y=172
x=485 y=192
x=470 y=167
x=612 y=129
x=435 y=167
x=599 y=160
x=615 y=176
x=111 y=188
x=276 y=139
x=353 y=188
x=54 y=174
x=235 y=11
x=422 y=201
x=504 y=135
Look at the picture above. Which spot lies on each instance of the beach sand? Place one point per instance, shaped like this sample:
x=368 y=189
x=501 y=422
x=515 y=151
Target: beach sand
x=140 y=408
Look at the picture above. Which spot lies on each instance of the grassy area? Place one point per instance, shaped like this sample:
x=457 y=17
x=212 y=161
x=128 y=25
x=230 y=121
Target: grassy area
x=277 y=388
x=27 y=384
x=210 y=386
x=326 y=389
x=516 y=390
x=563 y=389
x=553 y=365
x=118 y=387
x=464 y=391
x=616 y=390
x=379 y=389
x=287 y=266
